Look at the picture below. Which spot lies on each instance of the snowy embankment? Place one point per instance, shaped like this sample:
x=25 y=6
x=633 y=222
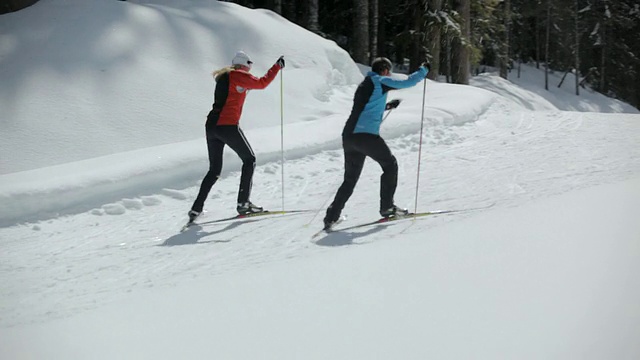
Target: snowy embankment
x=318 y=84
x=118 y=113
x=116 y=109
x=96 y=119
x=87 y=78
x=83 y=185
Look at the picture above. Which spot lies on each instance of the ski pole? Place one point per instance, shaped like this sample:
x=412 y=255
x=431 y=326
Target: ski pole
x=385 y=117
x=324 y=204
x=424 y=95
x=395 y=103
x=282 y=133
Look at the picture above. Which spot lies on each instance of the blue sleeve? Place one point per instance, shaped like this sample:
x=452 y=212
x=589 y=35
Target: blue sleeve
x=412 y=80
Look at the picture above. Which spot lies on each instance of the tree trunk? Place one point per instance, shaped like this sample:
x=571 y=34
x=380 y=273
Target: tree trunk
x=360 y=46
x=373 y=29
x=434 y=38
x=637 y=102
x=537 y=40
x=603 y=59
x=381 y=33
x=546 y=47
x=460 y=50
x=449 y=40
x=562 y=80
x=416 y=57
x=504 y=58
x=519 y=67
x=577 y=74
x=312 y=10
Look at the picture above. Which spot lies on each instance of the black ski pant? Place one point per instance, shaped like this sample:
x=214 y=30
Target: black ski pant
x=217 y=138
x=356 y=148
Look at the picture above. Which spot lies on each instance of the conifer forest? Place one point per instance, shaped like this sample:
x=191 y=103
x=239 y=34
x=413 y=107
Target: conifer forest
x=598 y=39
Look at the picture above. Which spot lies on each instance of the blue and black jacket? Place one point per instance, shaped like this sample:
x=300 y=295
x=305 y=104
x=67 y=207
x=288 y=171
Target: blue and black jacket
x=371 y=98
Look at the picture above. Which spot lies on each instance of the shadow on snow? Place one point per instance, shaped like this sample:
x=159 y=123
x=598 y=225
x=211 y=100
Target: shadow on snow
x=195 y=233
x=342 y=238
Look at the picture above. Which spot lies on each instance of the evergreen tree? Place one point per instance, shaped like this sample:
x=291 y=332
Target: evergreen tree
x=460 y=46
x=360 y=46
x=435 y=21
x=595 y=39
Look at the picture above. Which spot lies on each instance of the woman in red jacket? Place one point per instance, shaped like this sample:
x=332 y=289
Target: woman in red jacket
x=222 y=128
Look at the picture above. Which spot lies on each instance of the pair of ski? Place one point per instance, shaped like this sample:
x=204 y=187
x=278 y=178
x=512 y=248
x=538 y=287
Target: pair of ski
x=243 y=216
x=393 y=218
x=329 y=230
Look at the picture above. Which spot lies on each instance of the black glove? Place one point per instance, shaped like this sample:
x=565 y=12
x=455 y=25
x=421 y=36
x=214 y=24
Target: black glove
x=427 y=66
x=280 y=62
x=392 y=104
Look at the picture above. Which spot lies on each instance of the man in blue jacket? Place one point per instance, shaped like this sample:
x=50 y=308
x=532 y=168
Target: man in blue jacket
x=361 y=138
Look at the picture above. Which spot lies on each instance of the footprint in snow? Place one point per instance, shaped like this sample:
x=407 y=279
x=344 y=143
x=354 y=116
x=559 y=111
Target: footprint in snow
x=132 y=204
x=150 y=201
x=114 y=209
x=178 y=195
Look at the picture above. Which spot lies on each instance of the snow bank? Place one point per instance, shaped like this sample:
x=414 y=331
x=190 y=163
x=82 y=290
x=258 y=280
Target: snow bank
x=528 y=91
x=86 y=184
x=105 y=99
x=87 y=78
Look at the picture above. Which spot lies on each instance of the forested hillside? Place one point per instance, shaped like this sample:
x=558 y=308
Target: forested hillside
x=599 y=38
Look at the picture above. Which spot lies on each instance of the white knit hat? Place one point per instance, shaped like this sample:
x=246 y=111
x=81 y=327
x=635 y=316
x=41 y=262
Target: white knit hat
x=241 y=58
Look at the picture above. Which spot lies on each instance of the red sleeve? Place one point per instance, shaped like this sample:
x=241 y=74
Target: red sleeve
x=249 y=81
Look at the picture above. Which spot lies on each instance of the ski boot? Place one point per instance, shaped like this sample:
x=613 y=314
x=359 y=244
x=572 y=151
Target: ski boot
x=328 y=225
x=393 y=211
x=248 y=208
x=193 y=215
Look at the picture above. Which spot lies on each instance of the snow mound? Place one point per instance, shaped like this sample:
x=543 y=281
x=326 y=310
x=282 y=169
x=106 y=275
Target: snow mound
x=88 y=78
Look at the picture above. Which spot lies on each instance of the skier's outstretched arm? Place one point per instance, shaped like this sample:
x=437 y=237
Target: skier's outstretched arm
x=249 y=81
x=412 y=80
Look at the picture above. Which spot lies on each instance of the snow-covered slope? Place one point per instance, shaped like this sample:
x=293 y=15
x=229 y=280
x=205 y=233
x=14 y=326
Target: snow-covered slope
x=138 y=74
x=527 y=90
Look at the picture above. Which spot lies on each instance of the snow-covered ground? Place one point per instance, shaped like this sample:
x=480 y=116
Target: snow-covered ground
x=102 y=142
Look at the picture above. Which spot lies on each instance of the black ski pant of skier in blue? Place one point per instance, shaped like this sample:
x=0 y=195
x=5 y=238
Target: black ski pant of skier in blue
x=217 y=138
x=356 y=148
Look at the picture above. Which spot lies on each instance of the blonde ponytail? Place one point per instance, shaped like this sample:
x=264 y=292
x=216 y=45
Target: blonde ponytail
x=216 y=74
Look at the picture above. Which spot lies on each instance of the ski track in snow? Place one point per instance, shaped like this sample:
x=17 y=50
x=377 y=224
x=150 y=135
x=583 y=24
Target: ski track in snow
x=507 y=156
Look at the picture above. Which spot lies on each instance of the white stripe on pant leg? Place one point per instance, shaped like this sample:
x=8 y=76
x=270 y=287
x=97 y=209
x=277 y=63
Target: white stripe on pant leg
x=254 y=163
x=251 y=183
x=246 y=142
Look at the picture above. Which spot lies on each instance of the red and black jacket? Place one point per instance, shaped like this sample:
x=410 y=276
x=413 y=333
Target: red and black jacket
x=231 y=90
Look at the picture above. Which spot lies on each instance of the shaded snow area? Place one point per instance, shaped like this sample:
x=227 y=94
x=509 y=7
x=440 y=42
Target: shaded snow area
x=527 y=91
x=103 y=106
